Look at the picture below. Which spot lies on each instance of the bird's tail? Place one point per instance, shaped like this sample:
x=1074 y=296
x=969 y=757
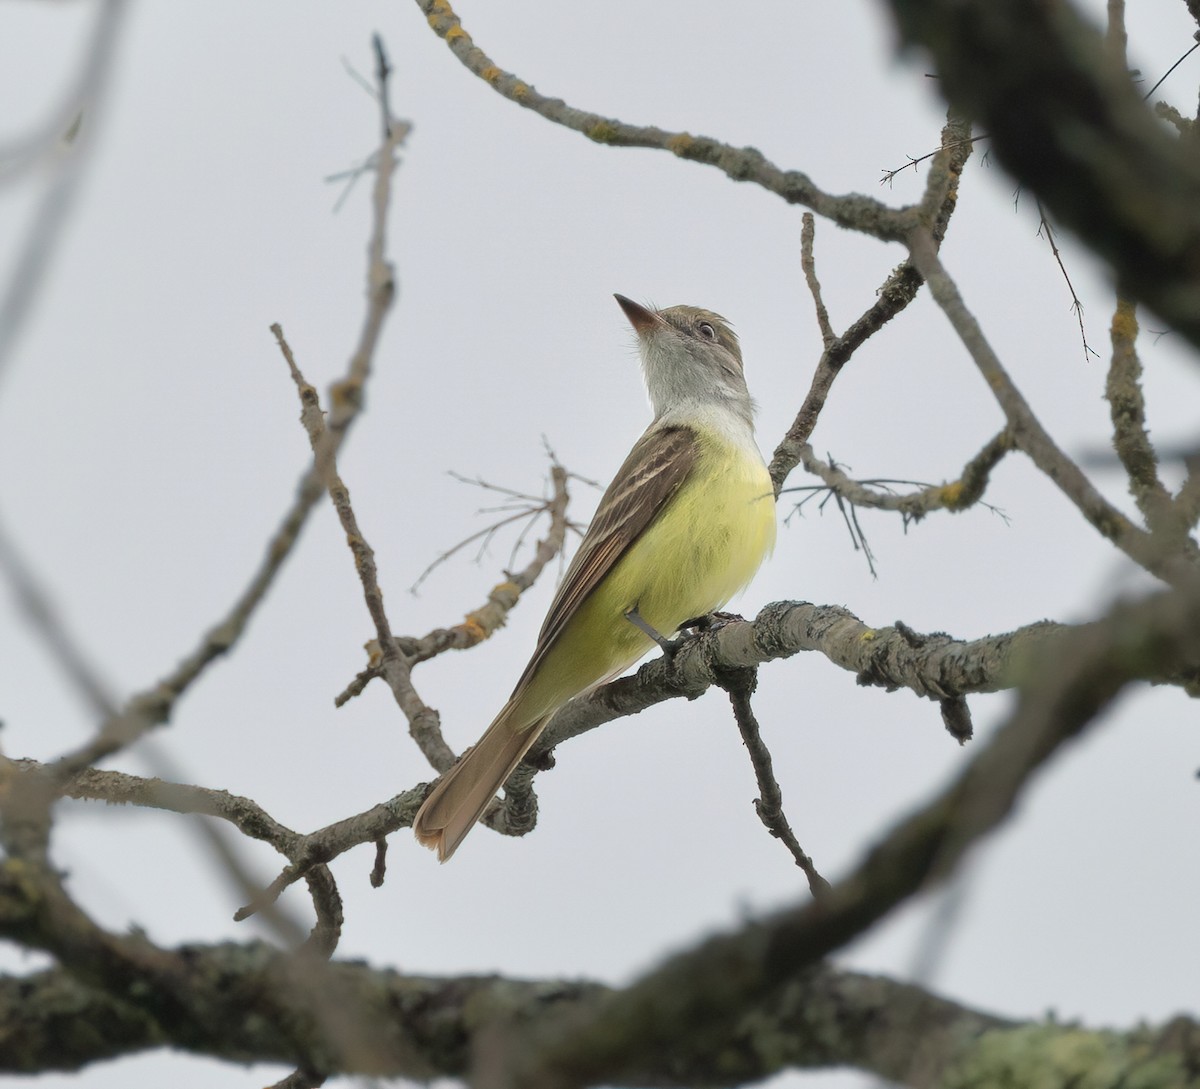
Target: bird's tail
x=465 y=791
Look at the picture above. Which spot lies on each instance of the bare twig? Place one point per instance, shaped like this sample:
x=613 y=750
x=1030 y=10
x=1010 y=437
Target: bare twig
x=1163 y=77
x=528 y=508
x=809 y=265
x=890 y=176
x=346 y=399
x=379 y=870
x=894 y=295
x=153 y=706
x=478 y=625
x=389 y=662
x=740 y=685
x=1046 y=231
x=325 y=844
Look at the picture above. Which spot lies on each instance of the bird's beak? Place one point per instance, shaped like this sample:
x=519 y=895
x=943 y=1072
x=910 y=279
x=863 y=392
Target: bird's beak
x=640 y=318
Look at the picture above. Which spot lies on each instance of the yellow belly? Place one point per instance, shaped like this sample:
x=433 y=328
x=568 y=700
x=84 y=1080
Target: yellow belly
x=703 y=549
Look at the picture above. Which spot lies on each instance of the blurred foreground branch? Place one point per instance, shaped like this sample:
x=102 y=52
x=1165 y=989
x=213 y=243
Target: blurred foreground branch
x=1066 y=120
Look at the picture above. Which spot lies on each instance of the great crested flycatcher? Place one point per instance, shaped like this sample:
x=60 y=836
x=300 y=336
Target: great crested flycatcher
x=684 y=525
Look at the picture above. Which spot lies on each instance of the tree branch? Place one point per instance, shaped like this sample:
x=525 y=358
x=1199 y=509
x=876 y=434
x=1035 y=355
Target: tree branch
x=956 y=495
x=740 y=685
x=893 y=296
x=1131 y=440
x=741 y=164
x=1161 y=557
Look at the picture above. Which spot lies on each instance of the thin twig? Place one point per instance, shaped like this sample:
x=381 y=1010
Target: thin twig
x=1046 y=231
x=893 y=296
x=890 y=176
x=528 y=508
x=1163 y=78
x=346 y=399
x=478 y=625
x=740 y=685
x=809 y=264
x=391 y=663
x=153 y=706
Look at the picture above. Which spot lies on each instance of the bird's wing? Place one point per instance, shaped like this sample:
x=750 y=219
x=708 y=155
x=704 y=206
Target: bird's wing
x=655 y=469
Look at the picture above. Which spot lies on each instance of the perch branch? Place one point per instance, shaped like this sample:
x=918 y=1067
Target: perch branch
x=936 y=667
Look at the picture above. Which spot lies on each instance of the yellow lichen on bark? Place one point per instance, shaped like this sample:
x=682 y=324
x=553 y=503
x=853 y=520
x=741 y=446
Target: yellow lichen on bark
x=681 y=144
x=1124 y=327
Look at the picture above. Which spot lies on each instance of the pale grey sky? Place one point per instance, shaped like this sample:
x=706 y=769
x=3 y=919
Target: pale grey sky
x=149 y=444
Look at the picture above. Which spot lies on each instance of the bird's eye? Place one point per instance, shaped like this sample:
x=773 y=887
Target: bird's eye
x=706 y=331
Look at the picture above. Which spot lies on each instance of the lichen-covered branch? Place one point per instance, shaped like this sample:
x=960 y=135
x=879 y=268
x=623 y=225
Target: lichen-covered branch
x=956 y=495
x=938 y=667
x=741 y=164
x=1131 y=439
x=432 y=1027
x=934 y=667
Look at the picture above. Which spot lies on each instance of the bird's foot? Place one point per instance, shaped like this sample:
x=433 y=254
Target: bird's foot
x=689 y=630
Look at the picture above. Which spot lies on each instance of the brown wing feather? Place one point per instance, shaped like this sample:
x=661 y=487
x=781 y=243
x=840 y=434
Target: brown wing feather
x=655 y=469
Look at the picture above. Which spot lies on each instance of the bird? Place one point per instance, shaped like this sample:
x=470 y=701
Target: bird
x=684 y=525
